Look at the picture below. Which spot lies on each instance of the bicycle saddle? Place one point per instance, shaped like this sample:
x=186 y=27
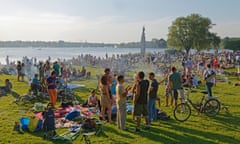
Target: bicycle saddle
x=204 y=92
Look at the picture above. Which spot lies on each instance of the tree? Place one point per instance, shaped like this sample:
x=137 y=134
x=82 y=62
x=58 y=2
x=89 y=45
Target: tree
x=159 y=43
x=216 y=40
x=190 y=32
x=162 y=43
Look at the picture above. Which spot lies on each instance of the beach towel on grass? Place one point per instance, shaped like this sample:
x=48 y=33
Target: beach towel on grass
x=73 y=86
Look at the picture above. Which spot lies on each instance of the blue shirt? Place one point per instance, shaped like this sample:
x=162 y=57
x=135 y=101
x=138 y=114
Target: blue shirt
x=35 y=80
x=51 y=82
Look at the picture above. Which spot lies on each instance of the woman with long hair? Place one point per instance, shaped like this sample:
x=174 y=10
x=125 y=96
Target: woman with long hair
x=105 y=99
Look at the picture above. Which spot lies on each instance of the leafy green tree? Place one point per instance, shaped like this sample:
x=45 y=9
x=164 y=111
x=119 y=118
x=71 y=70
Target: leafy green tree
x=215 y=41
x=191 y=32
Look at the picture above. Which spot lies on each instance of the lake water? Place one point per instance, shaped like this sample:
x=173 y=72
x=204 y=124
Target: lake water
x=65 y=53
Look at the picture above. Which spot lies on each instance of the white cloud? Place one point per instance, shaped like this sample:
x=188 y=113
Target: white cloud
x=75 y=28
x=48 y=26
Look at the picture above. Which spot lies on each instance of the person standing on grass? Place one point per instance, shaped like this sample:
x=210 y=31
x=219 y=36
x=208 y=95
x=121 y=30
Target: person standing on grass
x=107 y=74
x=209 y=81
x=19 y=68
x=153 y=89
x=52 y=88
x=35 y=84
x=168 y=91
x=175 y=84
x=140 y=102
x=114 y=83
x=105 y=100
x=56 y=68
x=23 y=71
x=41 y=71
x=121 y=95
x=238 y=64
x=47 y=68
x=134 y=91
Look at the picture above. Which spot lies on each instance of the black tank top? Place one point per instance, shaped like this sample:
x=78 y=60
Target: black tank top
x=144 y=85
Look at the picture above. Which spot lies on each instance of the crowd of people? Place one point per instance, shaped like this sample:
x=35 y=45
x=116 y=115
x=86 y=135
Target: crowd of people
x=145 y=94
x=194 y=69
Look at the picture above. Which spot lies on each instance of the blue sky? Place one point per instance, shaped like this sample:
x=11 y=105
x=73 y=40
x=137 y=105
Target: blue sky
x=109 y=20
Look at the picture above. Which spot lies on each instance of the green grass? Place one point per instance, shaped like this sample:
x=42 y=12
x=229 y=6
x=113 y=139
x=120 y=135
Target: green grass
x=224 y=128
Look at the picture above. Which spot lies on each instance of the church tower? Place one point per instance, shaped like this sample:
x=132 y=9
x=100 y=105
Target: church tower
x=143 y=42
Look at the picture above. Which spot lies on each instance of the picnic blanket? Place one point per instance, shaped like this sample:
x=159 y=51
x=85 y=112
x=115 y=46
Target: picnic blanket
x=73 y=86
x=60 y=115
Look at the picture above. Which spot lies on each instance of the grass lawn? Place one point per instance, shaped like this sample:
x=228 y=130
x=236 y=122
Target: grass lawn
x=224 y=128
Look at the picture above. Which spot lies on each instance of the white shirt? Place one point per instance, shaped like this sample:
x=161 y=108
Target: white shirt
x=208 y=71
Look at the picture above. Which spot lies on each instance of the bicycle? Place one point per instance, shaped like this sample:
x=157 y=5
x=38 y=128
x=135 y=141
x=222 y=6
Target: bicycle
x=209 y=106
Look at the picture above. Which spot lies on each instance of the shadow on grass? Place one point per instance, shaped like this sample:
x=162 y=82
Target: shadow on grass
x=15 y=95
x=201 y=136
x=228 y=121
x=156 y=134
x=164 y=132
x=116 y=131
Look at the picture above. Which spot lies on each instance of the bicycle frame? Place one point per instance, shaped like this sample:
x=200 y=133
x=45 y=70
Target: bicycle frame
x=182 y=111
x=198 y=107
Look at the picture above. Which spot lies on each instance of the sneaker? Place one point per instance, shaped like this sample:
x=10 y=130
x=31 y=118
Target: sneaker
x=45 y=136
x=125 y=129
x=137 y=129
x=54 y=133
x=147 y=127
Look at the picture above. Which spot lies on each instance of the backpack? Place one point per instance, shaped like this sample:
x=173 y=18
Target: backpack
x=209 y=75
x=49 y=120
x=66 y=104
x=72 y=115
x=89 y=125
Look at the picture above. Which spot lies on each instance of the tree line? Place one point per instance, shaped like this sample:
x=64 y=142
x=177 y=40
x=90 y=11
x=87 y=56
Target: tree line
x=230 y=43
x=155 y=43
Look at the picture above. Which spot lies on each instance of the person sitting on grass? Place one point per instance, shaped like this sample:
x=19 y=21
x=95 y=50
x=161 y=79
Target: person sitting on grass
x=93 y=100
x=8 y=85
x=6 y=88
x=83 y=72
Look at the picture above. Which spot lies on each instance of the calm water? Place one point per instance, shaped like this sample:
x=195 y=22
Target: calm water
x=65 y=53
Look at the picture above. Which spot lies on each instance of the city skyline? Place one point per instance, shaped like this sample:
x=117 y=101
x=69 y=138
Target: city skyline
x=109 y=21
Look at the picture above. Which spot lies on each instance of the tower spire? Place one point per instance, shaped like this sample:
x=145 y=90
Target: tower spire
x=143 y=41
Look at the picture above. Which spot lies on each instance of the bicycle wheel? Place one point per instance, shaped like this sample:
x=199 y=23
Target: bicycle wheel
x=212 y=107
x=182 y=112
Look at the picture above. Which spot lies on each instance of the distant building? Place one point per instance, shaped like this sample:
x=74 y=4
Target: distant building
x=143 y=42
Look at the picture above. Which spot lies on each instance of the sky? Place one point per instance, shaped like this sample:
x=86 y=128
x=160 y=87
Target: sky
x=109 y=21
